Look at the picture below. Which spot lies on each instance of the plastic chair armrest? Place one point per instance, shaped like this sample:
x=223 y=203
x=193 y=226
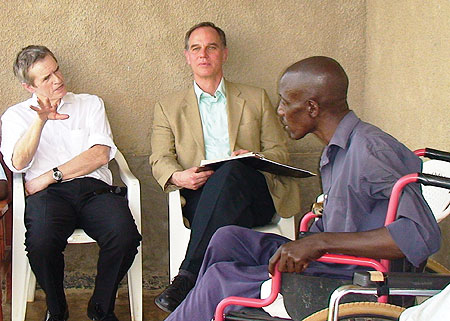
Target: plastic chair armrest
x=133 y=188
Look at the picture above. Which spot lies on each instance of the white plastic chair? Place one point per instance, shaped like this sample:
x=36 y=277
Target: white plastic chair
x=23 y=279
x=437 y=198
x=179 y=234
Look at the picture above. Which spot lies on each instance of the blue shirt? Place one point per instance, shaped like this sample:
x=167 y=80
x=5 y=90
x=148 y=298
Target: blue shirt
x=359 y=167
x=213 y=112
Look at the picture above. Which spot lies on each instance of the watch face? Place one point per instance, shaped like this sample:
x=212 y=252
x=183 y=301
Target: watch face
x=57 y=175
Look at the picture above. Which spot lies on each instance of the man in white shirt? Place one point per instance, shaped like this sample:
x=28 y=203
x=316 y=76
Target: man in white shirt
x=62 y=142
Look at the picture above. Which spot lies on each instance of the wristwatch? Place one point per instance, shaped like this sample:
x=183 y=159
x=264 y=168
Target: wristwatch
x=57 y=175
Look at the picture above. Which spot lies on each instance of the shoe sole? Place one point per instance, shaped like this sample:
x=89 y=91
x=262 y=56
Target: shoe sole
x=162 y=307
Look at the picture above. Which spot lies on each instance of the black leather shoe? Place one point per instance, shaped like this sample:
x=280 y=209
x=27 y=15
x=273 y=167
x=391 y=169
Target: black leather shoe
x=57 y=317
x=174 y=294
x=96 y=313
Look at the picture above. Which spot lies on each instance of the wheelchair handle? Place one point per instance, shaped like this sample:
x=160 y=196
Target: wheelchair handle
x=433 y=180
x=433 y=154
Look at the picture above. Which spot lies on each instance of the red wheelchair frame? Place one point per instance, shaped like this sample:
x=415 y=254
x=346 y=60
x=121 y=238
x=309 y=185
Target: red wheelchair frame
x=382 y=265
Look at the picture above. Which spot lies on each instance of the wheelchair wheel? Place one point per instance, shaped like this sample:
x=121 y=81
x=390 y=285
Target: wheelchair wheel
x=361 y=311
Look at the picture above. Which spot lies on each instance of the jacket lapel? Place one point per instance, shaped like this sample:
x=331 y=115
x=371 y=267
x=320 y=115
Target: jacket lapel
x=235 y=106
x=191 y=116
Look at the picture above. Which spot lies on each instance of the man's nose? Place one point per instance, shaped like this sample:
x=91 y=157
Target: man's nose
x=203 y=52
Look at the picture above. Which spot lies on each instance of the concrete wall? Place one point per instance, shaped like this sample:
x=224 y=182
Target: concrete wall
x=407 y=76
x=130 y=54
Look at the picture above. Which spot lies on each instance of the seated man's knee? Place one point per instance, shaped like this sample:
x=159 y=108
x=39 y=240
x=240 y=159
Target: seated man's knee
x=232 y=167
x=216 y=272
x=44 y=246
x=226 y=234
x=124 y=238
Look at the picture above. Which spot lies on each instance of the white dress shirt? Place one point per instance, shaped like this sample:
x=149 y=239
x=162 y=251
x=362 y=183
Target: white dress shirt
x=61 y=140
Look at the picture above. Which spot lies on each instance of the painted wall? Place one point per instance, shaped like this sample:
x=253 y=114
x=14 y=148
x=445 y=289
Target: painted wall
x=407 y=76
x=130 y=53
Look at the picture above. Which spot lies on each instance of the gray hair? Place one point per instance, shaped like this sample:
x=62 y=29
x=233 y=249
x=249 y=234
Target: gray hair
x=26 y=58
x=223 y=39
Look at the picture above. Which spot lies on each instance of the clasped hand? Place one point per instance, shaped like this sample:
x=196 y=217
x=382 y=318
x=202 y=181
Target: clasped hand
x=295 y=256
x=39 y=183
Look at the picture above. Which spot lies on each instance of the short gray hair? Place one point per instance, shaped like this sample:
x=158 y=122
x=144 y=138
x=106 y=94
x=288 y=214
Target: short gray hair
x=222 y=36
x=26 y=58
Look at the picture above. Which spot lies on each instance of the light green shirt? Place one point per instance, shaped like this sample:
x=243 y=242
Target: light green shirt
x=213 y=112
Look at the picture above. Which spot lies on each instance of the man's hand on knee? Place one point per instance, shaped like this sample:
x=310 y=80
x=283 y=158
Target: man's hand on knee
x=190 y=178
x=295 y=256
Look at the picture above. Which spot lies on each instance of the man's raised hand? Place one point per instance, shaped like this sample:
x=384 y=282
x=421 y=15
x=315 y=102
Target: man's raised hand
x=48 y=111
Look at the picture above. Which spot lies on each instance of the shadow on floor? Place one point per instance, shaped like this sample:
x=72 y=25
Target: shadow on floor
x=78 y=299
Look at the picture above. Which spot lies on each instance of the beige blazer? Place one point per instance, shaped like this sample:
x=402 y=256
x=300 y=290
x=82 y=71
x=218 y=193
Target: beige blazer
x=177 y=138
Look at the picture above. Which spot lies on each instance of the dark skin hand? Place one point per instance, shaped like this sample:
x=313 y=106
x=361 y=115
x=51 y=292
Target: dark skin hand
x=295 y=256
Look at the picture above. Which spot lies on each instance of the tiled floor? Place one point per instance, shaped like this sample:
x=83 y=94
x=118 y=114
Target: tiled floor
x=78 y=299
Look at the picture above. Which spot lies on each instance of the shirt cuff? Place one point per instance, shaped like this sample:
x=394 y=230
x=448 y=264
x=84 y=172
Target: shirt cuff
x=100 y=139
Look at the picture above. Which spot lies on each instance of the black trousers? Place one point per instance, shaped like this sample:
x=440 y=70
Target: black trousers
x=51 y=216
x=235 y=194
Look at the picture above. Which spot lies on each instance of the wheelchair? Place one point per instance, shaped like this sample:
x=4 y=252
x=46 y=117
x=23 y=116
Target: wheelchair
x=379 y=283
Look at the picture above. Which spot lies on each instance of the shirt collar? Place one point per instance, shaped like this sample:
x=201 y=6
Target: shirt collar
x=220 y=89
x=67 y=99
x=340 y=138
x=341 y=135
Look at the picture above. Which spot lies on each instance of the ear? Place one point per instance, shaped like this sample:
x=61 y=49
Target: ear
x=225 y=54
x=186 y=54
x=313 y=108
x=29 y=88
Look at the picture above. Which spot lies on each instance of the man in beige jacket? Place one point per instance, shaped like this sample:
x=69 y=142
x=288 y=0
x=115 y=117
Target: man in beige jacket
x=212 y=119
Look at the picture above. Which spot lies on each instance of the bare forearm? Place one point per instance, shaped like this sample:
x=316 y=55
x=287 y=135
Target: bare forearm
x=377 y=244
x=295 y=256
x=80 y=165
x=86 y=162
x=27 y=145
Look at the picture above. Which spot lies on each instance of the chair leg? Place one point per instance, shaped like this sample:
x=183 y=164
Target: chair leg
x=21 y=280
x=135 y=287
x=179 y=235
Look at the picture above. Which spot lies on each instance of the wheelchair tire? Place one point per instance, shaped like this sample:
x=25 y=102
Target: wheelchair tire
x=361 y=311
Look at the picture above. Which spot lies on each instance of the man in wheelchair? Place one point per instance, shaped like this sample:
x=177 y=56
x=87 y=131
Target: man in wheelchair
x=358 y=166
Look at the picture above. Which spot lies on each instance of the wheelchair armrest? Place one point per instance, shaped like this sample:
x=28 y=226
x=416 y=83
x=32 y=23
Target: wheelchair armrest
x=306 y=219
x=353 y=260
x=429 y=281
